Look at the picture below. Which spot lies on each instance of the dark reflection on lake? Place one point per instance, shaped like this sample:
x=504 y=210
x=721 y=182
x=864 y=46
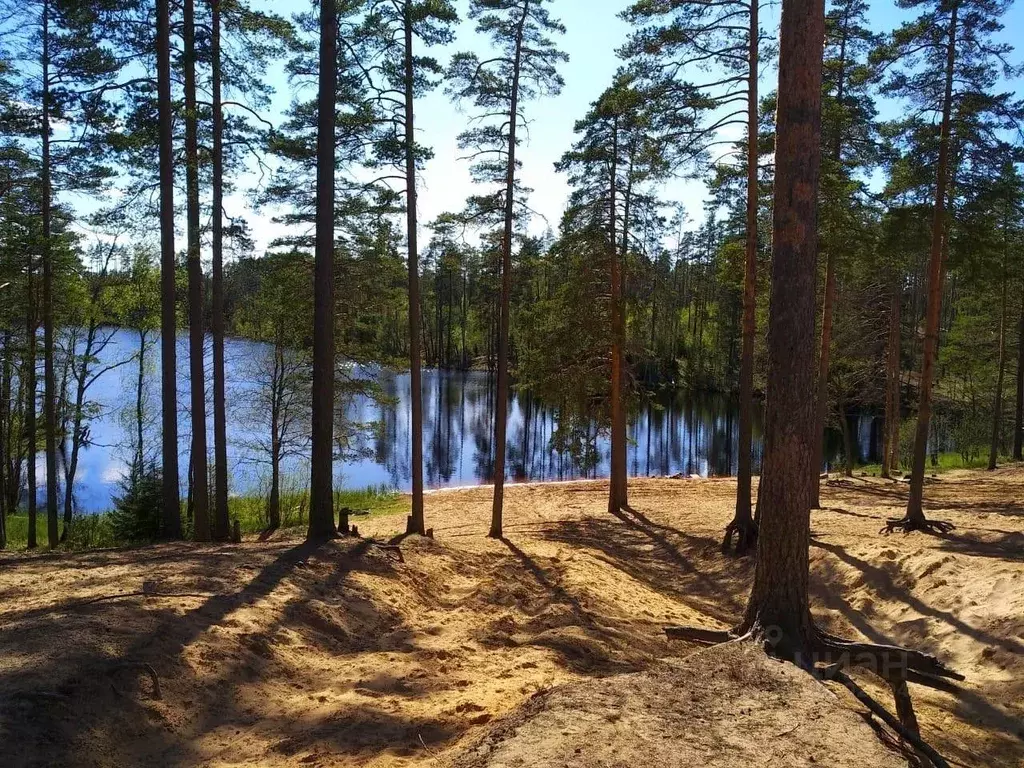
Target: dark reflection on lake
x=688 y=433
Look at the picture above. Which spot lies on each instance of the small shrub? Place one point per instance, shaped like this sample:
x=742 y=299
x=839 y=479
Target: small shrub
x=92 y=531
x=136 y=513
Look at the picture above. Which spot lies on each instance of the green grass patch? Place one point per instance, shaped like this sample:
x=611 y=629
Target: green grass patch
x=947 y=462
x=96 y=531
x=251 y=510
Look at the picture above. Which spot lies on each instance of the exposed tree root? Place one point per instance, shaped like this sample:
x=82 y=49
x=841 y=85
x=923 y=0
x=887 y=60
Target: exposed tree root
x=890 y=662
x=826 y=656
x=391 y=549
x=700 y=635
x=908 y=524
x=745 y=532
x=144 y=667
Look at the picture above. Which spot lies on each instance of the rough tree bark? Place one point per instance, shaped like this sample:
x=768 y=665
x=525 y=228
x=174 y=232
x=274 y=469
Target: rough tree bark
x=321 y=500
x=778 y=612
x=779 y=600
x=915 y=519
x=416 y=522
x=501 y=399
x=743 y=526
x=171 y=513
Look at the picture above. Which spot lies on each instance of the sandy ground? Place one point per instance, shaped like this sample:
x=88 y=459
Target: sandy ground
x=277 y=653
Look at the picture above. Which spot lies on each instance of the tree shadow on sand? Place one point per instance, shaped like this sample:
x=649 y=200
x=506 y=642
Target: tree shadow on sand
x=68 y=707
x=686 y=568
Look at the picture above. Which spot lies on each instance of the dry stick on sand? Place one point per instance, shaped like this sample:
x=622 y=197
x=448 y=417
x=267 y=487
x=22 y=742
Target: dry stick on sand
x=905 y=733
x=140 y=593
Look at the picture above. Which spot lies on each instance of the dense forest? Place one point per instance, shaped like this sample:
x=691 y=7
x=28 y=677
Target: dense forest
x=121 y=119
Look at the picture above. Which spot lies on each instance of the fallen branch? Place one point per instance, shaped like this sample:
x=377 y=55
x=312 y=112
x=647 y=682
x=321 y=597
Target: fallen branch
x=883 y=714
x=140 y=593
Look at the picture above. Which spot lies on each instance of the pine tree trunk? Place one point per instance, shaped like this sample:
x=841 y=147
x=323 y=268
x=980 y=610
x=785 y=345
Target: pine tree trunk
x=821 y=397
x=501 y=402
x=221 y=523
x=31 y=438
x=416 y=522
x=890 y=442
x=997 y=408
x=1018 y=421
x=276 y=399
x=617 y=483
x=778 y=606
x=742 y=523
x=915 y=512
x=828 y=304
x=5 y=434
x=844 y=424
x=171 y=513
x=49 y=379
x=197 y=335
x=321 y=510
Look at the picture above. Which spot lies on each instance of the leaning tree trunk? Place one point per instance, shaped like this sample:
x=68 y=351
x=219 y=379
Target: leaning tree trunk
x=221 y=523
x=416 y=522
x=321 y=509
x=196 y=335
x=171 y=513
x=915 y=518
x=997 y=408
x=501 y=399
x=743 y=525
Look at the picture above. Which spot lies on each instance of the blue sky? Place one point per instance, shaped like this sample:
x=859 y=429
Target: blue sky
x=593 y=34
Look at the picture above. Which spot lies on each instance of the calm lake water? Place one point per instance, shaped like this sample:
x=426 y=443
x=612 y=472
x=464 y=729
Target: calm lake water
x=682 y=432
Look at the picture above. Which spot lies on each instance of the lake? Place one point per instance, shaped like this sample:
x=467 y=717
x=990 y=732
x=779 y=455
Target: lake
x=681 y=432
